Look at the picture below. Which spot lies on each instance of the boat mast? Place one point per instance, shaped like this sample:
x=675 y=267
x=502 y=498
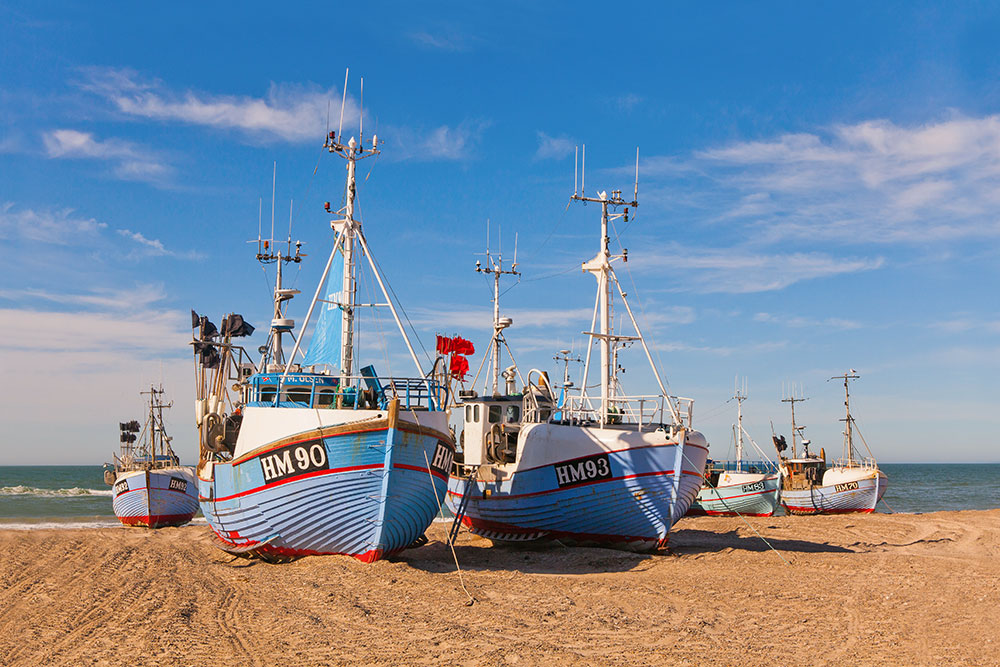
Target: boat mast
x=600 y=266
x=494 y=266
x=795 y=429
x=848 y=420
x=267 y=253
x=739 y=396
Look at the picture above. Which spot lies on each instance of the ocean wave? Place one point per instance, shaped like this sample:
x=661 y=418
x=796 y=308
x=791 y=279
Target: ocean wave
x=74 y=492
x=60 y=525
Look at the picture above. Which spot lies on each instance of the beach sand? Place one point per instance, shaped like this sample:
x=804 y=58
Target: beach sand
x=874 y=590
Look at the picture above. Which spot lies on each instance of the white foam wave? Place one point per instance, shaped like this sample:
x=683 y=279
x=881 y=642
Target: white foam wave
x=61 y=525
x=74 y=492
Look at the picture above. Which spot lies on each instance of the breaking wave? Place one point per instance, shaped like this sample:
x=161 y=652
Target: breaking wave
x=74 y=492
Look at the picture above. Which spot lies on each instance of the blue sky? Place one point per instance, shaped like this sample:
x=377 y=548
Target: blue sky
x=818 y=191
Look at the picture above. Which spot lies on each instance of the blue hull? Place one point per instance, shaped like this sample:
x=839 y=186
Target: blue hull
x=157 y=498
x=367 y=493
x=634 y=508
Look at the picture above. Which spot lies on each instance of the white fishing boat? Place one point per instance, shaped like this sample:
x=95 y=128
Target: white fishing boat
x=307 y=454
x=850 y=484
x=611 y=469
x=739 y=487
x=149 y=485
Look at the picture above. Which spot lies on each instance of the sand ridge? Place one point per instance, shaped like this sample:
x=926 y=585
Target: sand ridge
x=876 y=589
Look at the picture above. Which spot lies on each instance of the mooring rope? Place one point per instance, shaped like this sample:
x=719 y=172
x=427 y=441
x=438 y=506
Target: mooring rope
x=461 y=579
x=743 y=518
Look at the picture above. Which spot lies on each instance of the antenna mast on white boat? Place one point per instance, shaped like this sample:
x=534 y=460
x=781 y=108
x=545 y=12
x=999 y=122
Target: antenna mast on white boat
x=494 y=267
x=739 y=396
x=349 y=230
x=600 y=266
x=848 y=420
x=792 y=400
x=267 y=253
x=564 y=356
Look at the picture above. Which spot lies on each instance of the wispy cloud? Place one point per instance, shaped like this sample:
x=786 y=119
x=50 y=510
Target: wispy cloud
x=967 y=323
x=440 y=143
x=628 y=101
x=799 y=322
x=871 y=182
x=289 y=112
x=146 y=247
x=442 y=40
x=131 y=162
x=554 y=148
x=60 y=226
x=139 y=297
x=741 y=271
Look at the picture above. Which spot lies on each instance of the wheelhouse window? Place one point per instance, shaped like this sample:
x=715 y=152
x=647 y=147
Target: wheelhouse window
x=297 y=395
x=267 y=393
x=475 y=413
x=494 y=416
x=513 y=414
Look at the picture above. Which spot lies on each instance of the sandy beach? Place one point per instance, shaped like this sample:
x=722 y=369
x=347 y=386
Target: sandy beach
x=877 y=589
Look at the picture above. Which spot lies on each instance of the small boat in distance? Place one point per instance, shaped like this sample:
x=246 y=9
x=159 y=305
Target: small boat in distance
x=149 y=485
x=315 y=454
x=612 y=469
x=850 y=484
x=748 y=488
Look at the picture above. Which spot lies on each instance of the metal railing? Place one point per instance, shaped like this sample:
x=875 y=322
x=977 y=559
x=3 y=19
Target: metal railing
x=642 y=411
x=862 y=463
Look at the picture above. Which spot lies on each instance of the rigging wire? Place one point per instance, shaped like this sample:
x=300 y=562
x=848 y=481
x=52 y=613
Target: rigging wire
x=736 y=512
x=401 y=309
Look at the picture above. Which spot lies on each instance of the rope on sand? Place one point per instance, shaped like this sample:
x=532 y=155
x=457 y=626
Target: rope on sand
x=736 y=512
x=461 y=579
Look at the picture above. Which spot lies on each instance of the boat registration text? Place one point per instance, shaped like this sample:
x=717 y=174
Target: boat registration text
x=583 y=470
x=294 y=460
x=846 y=486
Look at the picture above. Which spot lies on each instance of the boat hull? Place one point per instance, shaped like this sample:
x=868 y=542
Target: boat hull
x=155 y=498
x=367 y=490
x=846 y=492
x=647 y=488
x=746 y=494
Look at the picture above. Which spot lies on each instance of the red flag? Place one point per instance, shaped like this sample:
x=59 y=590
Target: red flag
x=462 y=346
x=459 y=366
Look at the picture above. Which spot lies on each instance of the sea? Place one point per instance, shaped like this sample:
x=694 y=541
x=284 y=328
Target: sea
x=33 y=497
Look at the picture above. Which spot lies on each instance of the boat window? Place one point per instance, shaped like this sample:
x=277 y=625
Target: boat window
x=475 y=413
x=325 y=398
x=297 y=394
x=468 y=413
x=513 y=414
x=267 y=393
x=494 y=414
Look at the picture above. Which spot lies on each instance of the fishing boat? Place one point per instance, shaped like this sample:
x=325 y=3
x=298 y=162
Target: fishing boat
x=310 y=455
x=739 y=487
x=612 y=469
x=849 y=484
x=149 y=485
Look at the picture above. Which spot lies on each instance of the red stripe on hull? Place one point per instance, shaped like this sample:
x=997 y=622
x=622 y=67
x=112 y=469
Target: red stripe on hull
x=513 y=496
x=265 y=550
x=157 y=520
x=701 y=512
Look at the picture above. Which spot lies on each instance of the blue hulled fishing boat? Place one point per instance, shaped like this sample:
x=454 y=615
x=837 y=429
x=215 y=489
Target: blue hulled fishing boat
x=610 y=469
x=310 y=455
x=150 y=487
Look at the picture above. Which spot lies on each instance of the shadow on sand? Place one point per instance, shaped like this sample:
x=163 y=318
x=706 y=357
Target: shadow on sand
x=687 y=541
x=548 y=558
